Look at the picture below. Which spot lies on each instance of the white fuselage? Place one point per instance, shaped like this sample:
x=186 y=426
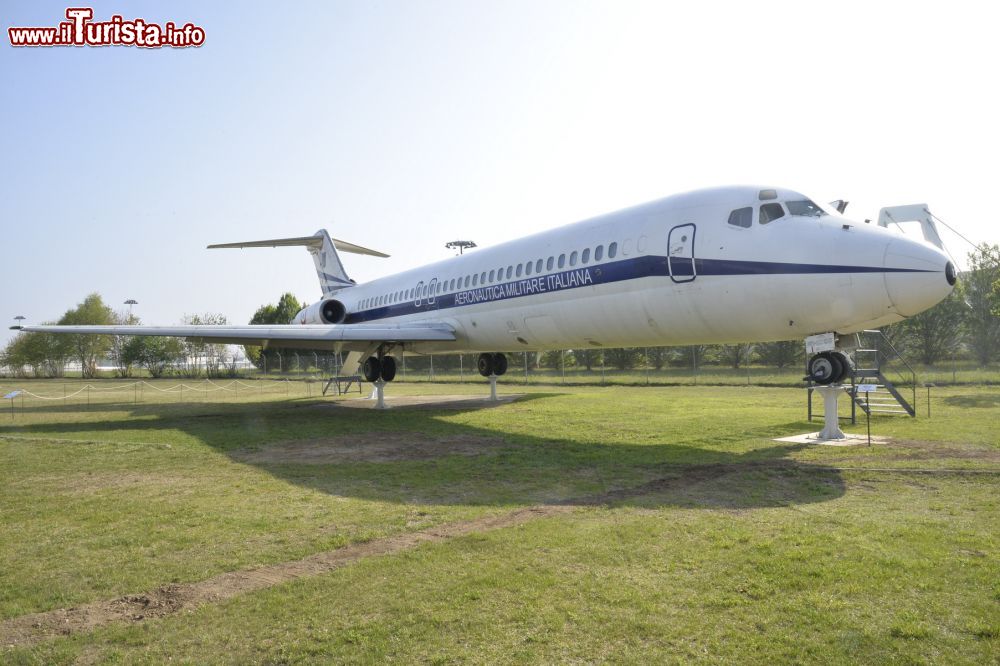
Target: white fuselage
x=671 y=272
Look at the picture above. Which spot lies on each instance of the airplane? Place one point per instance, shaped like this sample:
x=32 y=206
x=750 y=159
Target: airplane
x=719 y=265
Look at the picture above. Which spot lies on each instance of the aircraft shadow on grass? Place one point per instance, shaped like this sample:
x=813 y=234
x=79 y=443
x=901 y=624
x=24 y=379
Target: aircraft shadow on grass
x=432 y=461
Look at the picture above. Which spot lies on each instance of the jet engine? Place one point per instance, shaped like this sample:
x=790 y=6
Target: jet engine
x=330 y=311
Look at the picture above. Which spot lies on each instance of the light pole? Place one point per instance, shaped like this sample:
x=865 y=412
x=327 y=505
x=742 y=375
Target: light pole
x=19 y=319
x=462 y=245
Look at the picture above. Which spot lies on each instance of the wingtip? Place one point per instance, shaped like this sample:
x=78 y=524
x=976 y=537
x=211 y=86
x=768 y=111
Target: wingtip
x=17 y=328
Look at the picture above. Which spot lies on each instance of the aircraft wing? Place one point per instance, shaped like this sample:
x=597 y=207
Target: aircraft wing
x=319 y=336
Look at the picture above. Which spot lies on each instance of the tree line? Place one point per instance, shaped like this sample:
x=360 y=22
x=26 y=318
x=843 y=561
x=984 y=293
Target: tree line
x=48 y=355
x=965 y=325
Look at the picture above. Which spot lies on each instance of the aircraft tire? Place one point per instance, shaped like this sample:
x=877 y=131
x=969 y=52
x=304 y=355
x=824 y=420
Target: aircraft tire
x=485 y=364
x=499 y=364
x=846 y=366
x=371 y=369
x=388 y=368
x=825 y=368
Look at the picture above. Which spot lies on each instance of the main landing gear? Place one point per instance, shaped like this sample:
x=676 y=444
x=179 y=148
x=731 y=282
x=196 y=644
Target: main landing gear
x=375 y=369
x=829 y=367
x=379 y=370
x=492 y=366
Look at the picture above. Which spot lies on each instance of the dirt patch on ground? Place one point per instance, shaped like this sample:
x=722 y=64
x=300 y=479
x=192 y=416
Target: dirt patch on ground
x=464 y=402
x=927 y=450
x=375 y=447
x=85 y=483
x=169 y=599
x=912 y=450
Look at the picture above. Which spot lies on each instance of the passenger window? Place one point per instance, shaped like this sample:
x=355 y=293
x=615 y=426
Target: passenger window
x=572 y=258
x=612 y=250
x=538 y=266
x=742 y=217
x=492 y=273
x=585 y=257
x=510 y=271
x=598 y=252
x=482 y=278
x=527 y=268
x=549 y=263
x=520 y=268
x=475 y=279
x=771 y=212
x=562 y=260
x=468 y=279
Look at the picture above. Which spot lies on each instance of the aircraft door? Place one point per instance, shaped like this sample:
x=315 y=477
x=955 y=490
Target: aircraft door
x=680 y=253
x=431 y=291
x=418 y=294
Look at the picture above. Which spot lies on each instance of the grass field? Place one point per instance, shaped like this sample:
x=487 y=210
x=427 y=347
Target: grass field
x=575 y=524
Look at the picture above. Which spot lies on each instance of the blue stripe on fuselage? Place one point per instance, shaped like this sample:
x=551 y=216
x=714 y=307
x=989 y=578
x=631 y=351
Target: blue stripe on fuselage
x=615 y=271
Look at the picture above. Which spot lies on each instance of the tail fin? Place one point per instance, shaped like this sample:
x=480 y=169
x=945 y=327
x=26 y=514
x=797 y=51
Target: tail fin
x=329 y=269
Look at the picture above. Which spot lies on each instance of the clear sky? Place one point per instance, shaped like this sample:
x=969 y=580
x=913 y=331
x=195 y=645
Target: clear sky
x=403 y=125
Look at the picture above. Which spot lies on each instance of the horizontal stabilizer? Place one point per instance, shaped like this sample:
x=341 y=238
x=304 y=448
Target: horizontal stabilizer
x=323 y=249
x=303 y=241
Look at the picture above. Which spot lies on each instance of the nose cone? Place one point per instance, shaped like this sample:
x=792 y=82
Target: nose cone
x=918 y=276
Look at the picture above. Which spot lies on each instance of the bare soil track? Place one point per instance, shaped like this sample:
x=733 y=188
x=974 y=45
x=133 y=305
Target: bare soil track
x=170 y=599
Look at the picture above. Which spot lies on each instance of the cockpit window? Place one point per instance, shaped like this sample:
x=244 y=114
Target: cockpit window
x=741 y=217
x=771 y=212
x=804 y=207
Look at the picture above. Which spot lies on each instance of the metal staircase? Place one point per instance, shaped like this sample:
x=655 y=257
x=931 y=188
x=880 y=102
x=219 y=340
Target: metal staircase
x=877 y=362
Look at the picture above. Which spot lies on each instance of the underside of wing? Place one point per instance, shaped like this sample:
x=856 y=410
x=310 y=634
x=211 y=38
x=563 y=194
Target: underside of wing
x=287 y=335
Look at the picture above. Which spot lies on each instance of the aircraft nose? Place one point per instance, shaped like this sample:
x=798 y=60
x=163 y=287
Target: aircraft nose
x=917 y=275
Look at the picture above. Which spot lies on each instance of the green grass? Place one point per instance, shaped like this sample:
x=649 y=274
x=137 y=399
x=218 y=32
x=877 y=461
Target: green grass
x=777 y=553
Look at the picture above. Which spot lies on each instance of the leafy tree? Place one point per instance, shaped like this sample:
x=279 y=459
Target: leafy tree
x=211 y=355
x=780 y=354
x=38 y=354
x=982 y=323
x=588 y=358
x=898 y=336
x=123 y=351
x=623 y=358
x=658 y=356
x=556 y=359
x=281 y=312
x=88 y=348
x=735 y=355
x=692 y=356
x=158 y=354
x=937 y=333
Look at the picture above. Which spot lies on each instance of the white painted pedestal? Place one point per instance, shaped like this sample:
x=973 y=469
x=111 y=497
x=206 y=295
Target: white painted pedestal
x=831 y=421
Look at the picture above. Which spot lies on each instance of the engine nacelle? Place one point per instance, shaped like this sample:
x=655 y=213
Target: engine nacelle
x=330 y=311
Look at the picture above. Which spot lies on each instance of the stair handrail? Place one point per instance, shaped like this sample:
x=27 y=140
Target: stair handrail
x=885 y=361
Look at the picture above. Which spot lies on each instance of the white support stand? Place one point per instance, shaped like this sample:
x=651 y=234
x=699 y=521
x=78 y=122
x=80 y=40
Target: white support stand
x=831 y=420
x=378 y=393
x=493 y=388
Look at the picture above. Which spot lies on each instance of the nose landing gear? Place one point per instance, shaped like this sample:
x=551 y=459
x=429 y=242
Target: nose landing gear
x=829 y=367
